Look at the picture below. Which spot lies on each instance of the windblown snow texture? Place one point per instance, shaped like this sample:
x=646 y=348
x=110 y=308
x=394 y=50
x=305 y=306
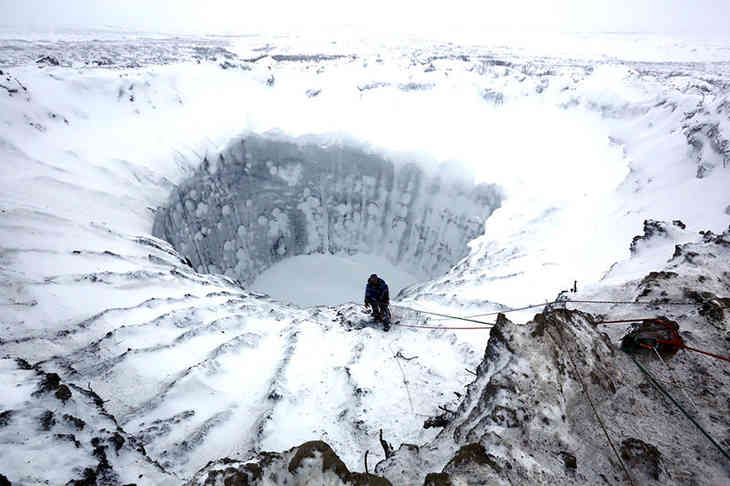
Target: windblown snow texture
x=262 y=200
x=526 y=418
x=188 y=367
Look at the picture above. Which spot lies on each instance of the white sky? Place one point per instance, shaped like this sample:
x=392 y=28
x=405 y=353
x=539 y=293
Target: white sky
x=412 y=16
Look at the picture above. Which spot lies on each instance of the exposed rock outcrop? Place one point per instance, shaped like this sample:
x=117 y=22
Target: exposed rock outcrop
x=310 y=463
x=655 y=229
x=529 y=417
x=93 y=450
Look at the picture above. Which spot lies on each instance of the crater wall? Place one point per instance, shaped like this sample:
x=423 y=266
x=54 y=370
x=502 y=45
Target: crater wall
x=262 y=200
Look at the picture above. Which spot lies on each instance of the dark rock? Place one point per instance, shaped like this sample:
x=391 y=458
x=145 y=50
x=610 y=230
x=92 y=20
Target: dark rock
x=654 y=280
x=330 y=460
x=504 y=416
x=6 y=417
x=3 y=480
x=89 y=479
x=49 y=60
x=438 y=421
x=229 y=476
x=254 y=470
x=250 y=473
x=234 y=477
x=104 y=470
x=652 y=229
x=713 y=309
x=69 y=438
x=437 y=479
x=50 y=382
x=474 y=454
x=63 y=393
x=47 y=420
x=723 y=239
x=654 y=276
x=77 y=423
x=727 y=209
x=364 y=479
x=117 y=440
x=23 y=364
x=639 y=455
x=103 y=61
x=569 y=459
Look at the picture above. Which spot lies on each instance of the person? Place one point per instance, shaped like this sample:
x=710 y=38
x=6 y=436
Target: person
x=377 y=297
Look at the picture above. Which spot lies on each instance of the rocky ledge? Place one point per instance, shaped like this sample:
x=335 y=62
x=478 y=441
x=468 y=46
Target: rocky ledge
x=556 y=400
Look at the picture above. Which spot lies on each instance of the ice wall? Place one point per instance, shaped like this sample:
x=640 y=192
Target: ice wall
x=264 y=199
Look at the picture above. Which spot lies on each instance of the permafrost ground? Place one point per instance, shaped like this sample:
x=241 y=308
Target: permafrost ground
x=121 y=363
x=262 y=200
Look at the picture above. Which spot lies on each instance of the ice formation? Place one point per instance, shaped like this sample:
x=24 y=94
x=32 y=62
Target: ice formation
x=262 y=200
x=183 y=375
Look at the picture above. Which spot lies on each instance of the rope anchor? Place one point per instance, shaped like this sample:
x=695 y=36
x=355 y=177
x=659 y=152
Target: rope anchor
x=657 y=334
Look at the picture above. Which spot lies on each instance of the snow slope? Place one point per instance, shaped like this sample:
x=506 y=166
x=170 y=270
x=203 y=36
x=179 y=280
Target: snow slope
x=194 y=366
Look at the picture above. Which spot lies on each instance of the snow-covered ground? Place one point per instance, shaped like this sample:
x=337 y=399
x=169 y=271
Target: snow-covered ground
x=583 y=148
x=328 y=279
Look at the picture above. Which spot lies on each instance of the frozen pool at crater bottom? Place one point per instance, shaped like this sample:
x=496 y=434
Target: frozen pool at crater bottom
x=324 y=279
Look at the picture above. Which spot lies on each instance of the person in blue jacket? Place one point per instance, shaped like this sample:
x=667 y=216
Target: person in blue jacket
x=377 y=297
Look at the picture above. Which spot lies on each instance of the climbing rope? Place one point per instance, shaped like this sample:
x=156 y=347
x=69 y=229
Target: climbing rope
x=483 y=328
x=444 y=315
x=403 y=374
x=515 y=309
x=707 y=353
x=676 y=341
x=627 y=302
x=534 y=306
x=686 y=414
x=593 y=406
x=619 y=321
x=674 y=381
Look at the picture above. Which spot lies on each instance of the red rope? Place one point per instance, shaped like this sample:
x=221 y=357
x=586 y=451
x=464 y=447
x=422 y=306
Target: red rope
x=678 y=343
x=707 y=353
x=676 y=340
x=438 y=327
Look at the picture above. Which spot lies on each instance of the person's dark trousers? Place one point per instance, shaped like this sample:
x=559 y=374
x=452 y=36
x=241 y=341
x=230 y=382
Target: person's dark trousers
x=379 y=308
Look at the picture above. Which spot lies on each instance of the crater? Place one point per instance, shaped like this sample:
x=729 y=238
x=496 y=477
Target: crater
x=264 y=203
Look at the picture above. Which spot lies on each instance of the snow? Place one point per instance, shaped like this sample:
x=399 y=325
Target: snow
x=582 y=152
x=323 y=279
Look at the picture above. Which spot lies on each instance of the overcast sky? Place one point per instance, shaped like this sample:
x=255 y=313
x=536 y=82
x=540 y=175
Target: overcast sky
x=242 y=16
